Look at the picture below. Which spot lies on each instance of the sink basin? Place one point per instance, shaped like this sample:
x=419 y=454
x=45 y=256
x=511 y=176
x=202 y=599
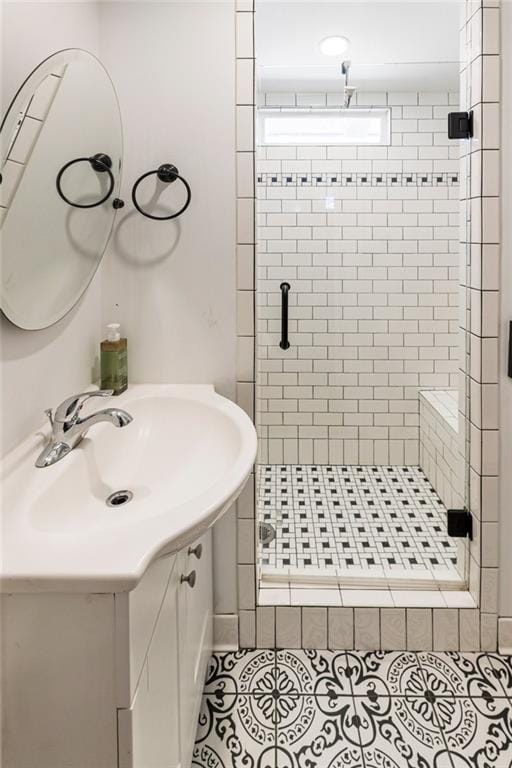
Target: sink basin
x=182 y=462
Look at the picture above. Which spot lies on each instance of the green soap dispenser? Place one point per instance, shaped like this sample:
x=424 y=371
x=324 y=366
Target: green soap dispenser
x=114 y=360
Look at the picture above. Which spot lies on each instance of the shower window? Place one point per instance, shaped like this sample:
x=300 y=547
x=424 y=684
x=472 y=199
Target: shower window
x=324 y=127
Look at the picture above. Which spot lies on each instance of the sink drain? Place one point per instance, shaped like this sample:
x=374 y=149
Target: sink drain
x=119 y=498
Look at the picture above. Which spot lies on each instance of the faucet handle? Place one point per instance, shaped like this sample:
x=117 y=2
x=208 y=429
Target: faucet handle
x=49 y=413
x=70 y=408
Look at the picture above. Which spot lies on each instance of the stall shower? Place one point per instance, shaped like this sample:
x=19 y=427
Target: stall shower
x=358 y=419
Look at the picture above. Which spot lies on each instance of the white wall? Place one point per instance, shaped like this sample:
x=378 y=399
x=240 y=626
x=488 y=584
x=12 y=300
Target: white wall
x=172 y=284
x=40 y=368
x=505 y=592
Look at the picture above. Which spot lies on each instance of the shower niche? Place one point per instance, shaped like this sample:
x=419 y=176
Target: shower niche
x=361 y=418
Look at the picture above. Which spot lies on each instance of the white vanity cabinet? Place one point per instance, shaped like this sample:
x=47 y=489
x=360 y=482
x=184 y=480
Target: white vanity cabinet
x=195 y=642
x=149 y=728
x=109 y=680
x=104 y=635
x=163 y=687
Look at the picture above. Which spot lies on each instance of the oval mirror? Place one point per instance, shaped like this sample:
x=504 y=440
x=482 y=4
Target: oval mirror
x=61 y=150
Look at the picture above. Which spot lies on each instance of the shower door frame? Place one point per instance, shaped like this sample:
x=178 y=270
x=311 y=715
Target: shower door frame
x=472 y=622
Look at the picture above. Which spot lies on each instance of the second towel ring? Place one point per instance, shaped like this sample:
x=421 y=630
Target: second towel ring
x=167 y=173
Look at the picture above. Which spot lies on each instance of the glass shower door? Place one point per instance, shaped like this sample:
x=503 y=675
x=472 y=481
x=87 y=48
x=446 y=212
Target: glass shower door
x=362 y=443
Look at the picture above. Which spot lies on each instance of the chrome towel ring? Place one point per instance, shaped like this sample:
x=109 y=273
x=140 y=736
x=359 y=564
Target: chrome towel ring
x=167 y=173
x=101 y=164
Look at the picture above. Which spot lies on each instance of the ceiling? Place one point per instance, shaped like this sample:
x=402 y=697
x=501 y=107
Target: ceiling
x=400 y=46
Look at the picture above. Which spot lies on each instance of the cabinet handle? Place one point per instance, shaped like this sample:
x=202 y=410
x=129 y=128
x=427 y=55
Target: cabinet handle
x=190 y=579
x=197 y=551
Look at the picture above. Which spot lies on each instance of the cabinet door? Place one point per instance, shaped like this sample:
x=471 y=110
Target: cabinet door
x=149 y=733
x=136 y=616
x=195 y=607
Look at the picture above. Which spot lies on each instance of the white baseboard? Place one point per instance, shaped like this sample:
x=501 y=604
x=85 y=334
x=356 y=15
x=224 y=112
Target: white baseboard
x=225 y=632
x=505 y=636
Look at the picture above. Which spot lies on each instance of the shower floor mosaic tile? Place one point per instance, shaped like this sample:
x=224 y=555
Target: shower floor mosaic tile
x=342 y=517
x=329 y=709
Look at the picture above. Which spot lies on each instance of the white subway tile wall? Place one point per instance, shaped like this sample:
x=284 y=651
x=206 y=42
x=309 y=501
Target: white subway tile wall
x=410 y=627
x=368 y=239
x=441 y=458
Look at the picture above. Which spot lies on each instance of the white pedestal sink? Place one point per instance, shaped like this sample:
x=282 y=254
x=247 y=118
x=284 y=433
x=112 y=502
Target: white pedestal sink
x=185 y=458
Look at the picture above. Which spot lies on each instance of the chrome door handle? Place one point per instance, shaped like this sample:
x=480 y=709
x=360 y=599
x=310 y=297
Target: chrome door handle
x=197 y=551
x=190 y=579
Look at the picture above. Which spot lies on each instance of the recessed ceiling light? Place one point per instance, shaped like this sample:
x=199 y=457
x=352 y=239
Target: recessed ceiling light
x=334 y=46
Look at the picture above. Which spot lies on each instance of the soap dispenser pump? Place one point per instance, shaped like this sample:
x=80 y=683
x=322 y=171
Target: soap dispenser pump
x=114 y=360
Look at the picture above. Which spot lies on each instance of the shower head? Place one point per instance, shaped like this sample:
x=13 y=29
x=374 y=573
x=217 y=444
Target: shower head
x=348 y=90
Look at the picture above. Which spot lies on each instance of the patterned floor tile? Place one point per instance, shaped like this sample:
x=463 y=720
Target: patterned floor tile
x=400 y=733
x=392 y=673
x=478 y=732
x=317 y=732
x=239 y=672
x=502 y=668
x=322 y=673
x=327 y=709
x=463 y=674
x=235 y=730
x=377 y=756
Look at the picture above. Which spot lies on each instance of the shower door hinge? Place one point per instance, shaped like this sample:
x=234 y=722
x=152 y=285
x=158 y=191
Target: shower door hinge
x=460 y=125
x=460 y=524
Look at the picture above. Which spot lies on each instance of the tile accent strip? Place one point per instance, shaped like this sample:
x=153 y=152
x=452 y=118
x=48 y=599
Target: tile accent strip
x=322 y=179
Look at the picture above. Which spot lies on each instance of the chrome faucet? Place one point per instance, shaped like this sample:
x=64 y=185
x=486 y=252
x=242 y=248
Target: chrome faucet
x=68 y=428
